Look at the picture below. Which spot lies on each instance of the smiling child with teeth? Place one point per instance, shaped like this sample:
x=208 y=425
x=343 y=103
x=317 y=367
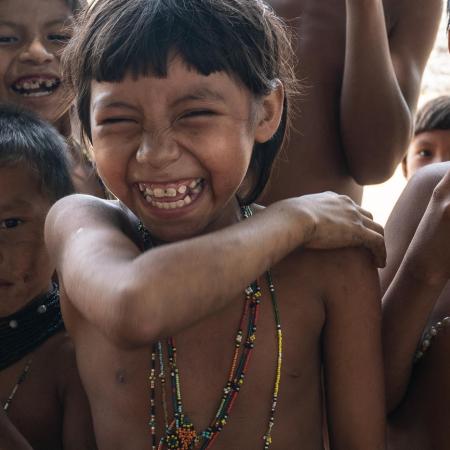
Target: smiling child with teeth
x=32 y=36
x=163 y=294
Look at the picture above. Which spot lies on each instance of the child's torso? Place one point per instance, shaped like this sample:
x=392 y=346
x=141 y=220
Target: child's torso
x=119 y=389
x=35 y=408
x=315 y=140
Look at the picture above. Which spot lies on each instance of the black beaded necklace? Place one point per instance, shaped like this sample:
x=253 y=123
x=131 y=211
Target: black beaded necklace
x=23 y=331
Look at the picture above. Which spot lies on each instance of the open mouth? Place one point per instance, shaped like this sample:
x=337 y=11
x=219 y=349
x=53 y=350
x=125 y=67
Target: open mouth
x=36 y=86
x=172 y=195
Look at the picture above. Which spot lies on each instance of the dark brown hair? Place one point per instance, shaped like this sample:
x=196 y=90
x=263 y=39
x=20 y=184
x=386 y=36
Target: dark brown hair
x=434 y=115
x=244 y=38
x=27 y=139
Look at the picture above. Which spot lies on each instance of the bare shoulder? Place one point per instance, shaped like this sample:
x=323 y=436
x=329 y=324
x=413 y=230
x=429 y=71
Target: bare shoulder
x=75 y=212
x=336 y=273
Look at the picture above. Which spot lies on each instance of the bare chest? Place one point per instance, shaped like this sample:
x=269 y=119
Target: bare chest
x=30 y=389
x=214 y=380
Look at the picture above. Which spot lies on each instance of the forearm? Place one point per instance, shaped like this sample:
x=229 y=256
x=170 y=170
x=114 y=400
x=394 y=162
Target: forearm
x=376 y=121
x=204 y=274
x=407 y=305
x=10 y=438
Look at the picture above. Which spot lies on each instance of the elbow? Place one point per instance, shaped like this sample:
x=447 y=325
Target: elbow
x=368 y=173
x=131 y=328
x=374 y=160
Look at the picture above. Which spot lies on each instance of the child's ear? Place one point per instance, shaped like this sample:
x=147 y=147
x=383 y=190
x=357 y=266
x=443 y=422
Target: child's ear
x=271 y=110
x=404 y=166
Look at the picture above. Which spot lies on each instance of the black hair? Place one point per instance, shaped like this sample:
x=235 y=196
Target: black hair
x=434 y=115
x=75 y=5
x=243 y=38
x=26 y=139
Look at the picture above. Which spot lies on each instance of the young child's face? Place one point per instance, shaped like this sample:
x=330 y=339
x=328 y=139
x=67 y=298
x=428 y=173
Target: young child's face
x=32 y=34
x=25 y=270
x=426 y=148
x=176 y=149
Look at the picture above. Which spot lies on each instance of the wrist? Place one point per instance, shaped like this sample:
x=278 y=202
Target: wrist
x=299 y=218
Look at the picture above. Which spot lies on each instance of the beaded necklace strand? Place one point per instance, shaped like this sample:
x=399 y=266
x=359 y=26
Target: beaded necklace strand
x=180 y=434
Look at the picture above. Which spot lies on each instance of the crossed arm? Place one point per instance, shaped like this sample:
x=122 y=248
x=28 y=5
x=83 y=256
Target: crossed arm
x=416 y=273
x=381 y=83
x=131 y=296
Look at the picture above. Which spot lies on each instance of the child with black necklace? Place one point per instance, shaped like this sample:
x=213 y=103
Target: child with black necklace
x=199 y=319
x=40 y=390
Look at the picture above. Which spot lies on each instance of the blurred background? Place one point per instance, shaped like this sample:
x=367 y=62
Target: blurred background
x=381 y=198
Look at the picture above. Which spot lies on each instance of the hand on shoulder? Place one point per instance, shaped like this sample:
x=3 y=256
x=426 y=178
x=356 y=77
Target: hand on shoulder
x=336 y=221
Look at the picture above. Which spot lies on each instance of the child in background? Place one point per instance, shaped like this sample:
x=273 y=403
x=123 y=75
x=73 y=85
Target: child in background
x=32 y=36
x=40 y=390
x=182 y=102
x=416 y=311
x=431 y=142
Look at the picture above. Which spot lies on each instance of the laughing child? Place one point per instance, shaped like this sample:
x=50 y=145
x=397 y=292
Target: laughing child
x=32 y=36
x=169 y=291
x=40 y=390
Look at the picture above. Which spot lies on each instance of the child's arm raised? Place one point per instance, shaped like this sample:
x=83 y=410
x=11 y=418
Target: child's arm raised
x=381 y=83
x=353 y=368
x=418 y=270
x=10 y=438
x=131 y=296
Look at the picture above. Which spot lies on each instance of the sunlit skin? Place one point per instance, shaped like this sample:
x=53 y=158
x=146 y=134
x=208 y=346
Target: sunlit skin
x=151 y=136
x=32 y=34
x=428 y=147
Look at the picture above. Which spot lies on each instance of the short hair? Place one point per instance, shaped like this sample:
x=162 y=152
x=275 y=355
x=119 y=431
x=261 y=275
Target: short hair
x=434 y=115
x=243 y=38
x=26 y=139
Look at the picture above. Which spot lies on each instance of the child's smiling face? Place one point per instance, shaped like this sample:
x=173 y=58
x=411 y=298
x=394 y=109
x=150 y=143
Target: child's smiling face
x=32 y=34
x=176 y=149
x=25 y=269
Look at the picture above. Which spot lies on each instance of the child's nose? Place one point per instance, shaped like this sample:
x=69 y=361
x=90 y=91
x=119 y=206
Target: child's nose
x=35 y=52
x=158 y=151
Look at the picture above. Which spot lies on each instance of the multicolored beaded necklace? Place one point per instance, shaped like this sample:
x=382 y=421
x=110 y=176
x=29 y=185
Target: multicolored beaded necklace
x=180 y=433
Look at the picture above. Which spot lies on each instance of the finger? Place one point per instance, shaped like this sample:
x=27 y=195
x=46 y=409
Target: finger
x=375 y=243
x=374 y=226
x=365 y=212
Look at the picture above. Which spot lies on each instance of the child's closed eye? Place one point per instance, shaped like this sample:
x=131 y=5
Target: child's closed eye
x=10 y=223
x=198 y=113
x=59 y=38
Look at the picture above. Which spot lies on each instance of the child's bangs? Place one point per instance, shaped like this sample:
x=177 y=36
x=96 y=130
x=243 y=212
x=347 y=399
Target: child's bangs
x=142 y=41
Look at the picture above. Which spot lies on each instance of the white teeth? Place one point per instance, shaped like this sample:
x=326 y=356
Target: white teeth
x=193 y=184
x=171 y=192
x=197 y=190
x=182 y=189
x=141 y=187
x=159 y=193
x=148 y=191
x=187 y=200
x=180 y=203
